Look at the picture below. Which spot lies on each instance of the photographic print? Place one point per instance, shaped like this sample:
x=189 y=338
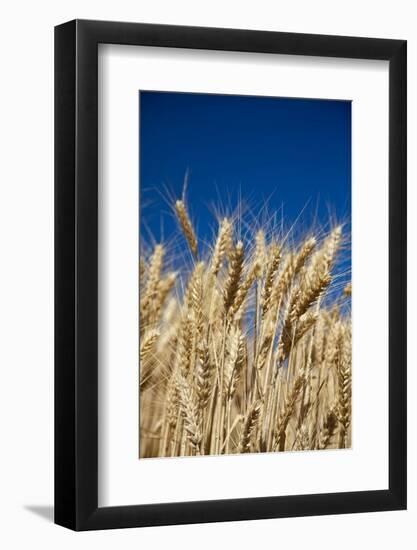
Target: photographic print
x=244 y=274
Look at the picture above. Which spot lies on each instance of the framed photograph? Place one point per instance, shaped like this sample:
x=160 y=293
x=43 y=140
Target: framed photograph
x=230 y=248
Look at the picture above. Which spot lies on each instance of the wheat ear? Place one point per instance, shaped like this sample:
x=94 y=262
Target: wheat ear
x=347 y=291
x=244 y=288
x=186 y=226
x=328 y=429
x=189 y=410
x=290 y=337
x=272 y=270
x=225 y=232
x=303 y=254
x=249 y=427
x=146 y=347
x=235 y=270
x=345 y=390
x=235 y=361
x=288 y=411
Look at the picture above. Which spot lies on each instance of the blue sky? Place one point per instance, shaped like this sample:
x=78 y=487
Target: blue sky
x=296 y=153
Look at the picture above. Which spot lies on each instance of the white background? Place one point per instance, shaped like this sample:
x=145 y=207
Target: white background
x=26 y=299
x=123 y=479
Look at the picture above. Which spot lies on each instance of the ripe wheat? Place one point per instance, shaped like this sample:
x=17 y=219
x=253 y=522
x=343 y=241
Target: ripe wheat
x=248 y=350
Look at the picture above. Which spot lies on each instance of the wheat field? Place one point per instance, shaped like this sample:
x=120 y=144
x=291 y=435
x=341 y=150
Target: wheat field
x=246 y=348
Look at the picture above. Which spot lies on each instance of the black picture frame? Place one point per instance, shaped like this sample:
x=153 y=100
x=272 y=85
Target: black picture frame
x=76 y=271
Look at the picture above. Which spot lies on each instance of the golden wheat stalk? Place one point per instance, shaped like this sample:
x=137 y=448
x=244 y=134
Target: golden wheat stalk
x=249 y=426
x=187 y=226
x=224 y=236
x=233 y=279
x=272 y=269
